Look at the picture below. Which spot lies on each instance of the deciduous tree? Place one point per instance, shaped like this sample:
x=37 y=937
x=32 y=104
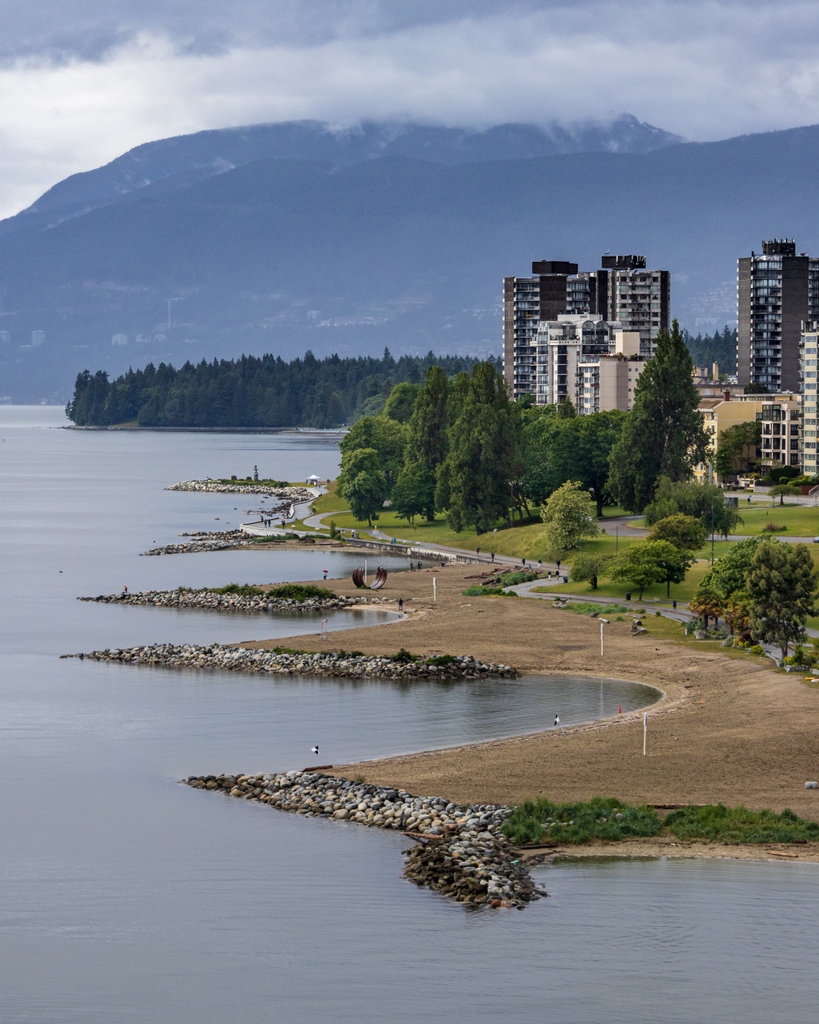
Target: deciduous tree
x=587 y=567
x=685 y=532
x=569 y=517
x=738 y=448
x=648 y=562
x=362 y=483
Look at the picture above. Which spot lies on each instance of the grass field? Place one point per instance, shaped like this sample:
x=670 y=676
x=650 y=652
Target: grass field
x=801 y=520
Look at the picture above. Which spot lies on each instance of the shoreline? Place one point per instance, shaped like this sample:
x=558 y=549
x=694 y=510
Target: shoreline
x=728 y=730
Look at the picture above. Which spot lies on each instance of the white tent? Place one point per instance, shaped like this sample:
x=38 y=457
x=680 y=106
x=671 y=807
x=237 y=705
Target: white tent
x=313 y=479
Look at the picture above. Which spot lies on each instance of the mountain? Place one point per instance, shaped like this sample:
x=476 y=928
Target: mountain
x=170 y=165
x=330 y=253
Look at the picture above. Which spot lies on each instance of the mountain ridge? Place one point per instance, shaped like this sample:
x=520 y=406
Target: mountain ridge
x=283 y=256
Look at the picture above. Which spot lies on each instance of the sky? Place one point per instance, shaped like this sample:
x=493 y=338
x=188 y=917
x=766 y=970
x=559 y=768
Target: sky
x=82 y=81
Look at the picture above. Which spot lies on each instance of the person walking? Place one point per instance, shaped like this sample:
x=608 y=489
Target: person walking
x=557 y=722
x=492 y=557
x=400 y=604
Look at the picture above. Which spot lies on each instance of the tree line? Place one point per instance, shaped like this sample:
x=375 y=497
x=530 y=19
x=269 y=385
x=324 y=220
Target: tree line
x=253 y=391
x=460 y=446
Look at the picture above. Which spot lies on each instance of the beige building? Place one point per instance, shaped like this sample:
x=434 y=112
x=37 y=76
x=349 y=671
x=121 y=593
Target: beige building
x=780 y=416
x=590 y=361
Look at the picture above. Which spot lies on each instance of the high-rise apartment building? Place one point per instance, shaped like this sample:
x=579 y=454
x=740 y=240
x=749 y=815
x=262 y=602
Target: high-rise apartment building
x=527 y=301
x=809 y=356
x=638 y=298
x=588 y=360
x=776 y=291
x=623 y=290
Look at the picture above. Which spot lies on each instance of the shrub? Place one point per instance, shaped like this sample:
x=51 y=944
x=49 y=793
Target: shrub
x=403 y=656
x=440 y=660
x=773 y=528
x=718 y=823
x=484 y=591
x=756 y=649
x=300 y=592
x=599 y=818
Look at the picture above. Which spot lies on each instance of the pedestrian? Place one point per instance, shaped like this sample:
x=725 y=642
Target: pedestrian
x=124 y=589
x=477 y=551
x=674 y=605
x=400 y=604
x=492 y=557
x=325 y=571
x=558 y=565
x=557 y=721
x=419 y=565
x=539 y=564
x=523 y=562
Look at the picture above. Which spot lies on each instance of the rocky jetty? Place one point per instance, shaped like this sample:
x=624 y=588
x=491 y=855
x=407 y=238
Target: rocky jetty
x=215 y=540
x=299 y=663
x=214 y=600
x=291 y=494
x=461 y=851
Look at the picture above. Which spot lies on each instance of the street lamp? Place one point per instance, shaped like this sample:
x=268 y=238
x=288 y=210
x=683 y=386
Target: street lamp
x=603 y=622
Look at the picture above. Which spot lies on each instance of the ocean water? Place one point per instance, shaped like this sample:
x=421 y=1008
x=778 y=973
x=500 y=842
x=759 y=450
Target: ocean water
x=129 y=898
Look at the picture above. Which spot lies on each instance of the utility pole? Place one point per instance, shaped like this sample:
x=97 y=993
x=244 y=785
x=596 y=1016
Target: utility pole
x=603 y=622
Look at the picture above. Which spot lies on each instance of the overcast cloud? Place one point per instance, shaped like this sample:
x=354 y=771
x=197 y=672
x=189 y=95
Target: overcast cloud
x=84 y=81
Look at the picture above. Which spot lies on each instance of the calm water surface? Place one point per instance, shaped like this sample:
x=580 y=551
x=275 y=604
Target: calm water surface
x=128 y=898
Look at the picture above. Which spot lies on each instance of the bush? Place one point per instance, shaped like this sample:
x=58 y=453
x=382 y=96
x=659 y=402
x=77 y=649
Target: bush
x=756 y=649
x=300 y=592
x=484 y=591
x=721 y=824
x=599 y=818
x=588 y=607
x=403 y=656
x=773 y=528
x=440 y=660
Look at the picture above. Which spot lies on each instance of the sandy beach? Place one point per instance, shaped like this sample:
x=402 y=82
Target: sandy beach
x=729 y=729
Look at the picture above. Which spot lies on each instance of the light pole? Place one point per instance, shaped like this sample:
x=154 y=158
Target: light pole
x=616 y=537
x=603 y=622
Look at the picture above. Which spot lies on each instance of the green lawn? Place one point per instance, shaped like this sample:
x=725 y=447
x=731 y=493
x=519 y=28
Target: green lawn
x=801 y=520
x=679 y=592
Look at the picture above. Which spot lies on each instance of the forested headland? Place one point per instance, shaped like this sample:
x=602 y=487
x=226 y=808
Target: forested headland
x=254 y=391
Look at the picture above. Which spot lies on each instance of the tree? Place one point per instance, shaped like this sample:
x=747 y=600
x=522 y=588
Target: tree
x=702 y=501
x=539 y=427
x=707 y=603
x=650 y=561
x=728 y=575
x=782 y=588
x=569 y=517
x=580 y=448
x=638 y=566
x=784 y=490
x=738 y=449
x=685 y=532
x=737 y=611
x=414 y=492
x=664 y=435
x=401 y=402
x=588 y=567
x=386 y=437
x=427 y=440
x=362 y=483
x=476 y=479
x=566 y=409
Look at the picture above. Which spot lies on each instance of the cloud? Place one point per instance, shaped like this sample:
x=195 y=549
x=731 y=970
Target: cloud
x=120 y=74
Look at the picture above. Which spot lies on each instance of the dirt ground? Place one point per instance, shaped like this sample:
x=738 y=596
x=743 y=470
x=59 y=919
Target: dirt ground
x=728 y=730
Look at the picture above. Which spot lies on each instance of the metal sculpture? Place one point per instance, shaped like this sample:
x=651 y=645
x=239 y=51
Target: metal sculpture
x=377 y=583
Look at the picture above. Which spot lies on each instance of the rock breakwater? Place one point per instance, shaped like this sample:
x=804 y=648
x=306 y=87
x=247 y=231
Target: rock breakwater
x=211 y=600
x=215 y=540
x=291 y=494
x=299 y=663
x=461 y=853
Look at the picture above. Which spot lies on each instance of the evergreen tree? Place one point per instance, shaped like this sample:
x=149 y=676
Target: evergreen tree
x=427 y=441
x=482 y=465
x=664 y=435
x=580 y=450
x=782 y=589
